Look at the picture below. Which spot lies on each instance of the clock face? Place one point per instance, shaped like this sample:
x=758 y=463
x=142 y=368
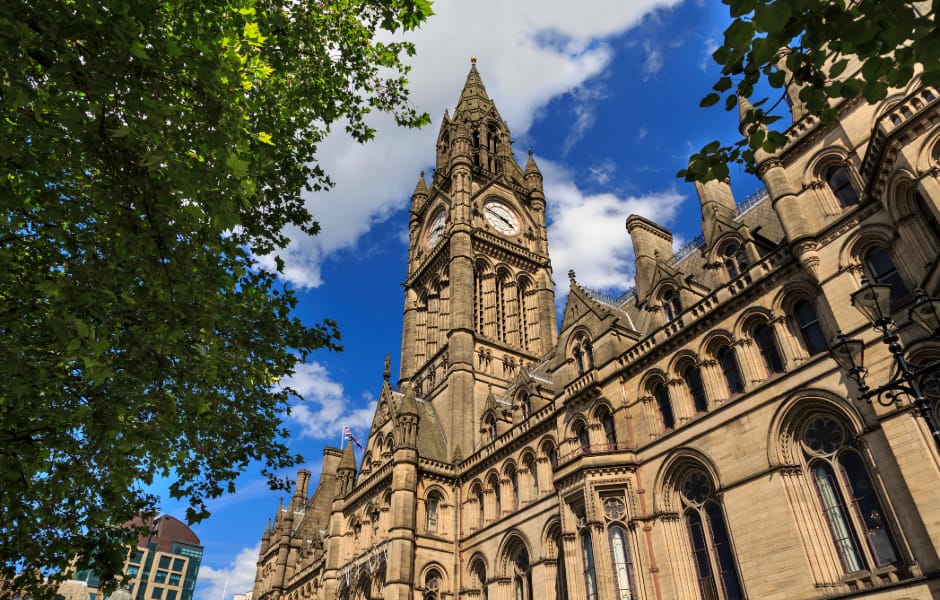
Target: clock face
x=436 y=229
x=501 y=217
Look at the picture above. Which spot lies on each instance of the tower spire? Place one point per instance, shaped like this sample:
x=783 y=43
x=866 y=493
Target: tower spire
x=474 y=102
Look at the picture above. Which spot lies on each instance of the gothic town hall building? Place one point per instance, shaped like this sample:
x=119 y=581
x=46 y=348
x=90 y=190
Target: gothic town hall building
x=691 y=439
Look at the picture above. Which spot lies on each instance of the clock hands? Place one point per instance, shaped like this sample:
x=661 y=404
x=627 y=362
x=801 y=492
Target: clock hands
x=496 y=214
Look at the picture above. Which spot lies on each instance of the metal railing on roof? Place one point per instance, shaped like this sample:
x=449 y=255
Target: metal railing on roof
x=751 y=201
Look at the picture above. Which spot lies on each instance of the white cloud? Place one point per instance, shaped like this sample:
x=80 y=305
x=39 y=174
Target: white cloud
x=529 y=52
x=654 y=60
x=326 y=408
x=602 y=172
x=585 y=100
x=641 y=133
x=587 y=232
x=237 y=578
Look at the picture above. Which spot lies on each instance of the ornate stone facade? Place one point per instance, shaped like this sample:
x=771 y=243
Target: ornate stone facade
x=689 y=439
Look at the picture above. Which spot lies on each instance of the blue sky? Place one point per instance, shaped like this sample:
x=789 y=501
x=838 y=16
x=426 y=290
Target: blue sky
x=606 y=95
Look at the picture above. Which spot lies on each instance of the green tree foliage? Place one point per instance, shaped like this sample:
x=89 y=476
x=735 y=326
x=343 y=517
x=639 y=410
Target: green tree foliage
x=838 y=49
x=149 y=149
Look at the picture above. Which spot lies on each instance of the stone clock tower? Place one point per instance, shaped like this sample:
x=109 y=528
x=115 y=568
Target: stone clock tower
x=479 y=302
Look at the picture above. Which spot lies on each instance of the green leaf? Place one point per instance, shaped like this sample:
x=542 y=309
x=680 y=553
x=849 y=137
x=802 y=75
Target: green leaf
x=709 y=100
x=237 y=166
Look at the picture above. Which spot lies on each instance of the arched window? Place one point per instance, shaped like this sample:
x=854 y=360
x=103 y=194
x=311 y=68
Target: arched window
x=524 y=305
x=478 y=579
x=734 y=259
x=838 y=180
x=882 y=270
x=584 y=438
x=522 y=576
x=615 y=513
x=433 y=504
x=661 y=395
x=810 y=331
x=610 y=432
x=497 y=497
x=767 y=346
x=693 y=381
x=432 y=585
x=551 y=452
x=513 y=477
x=561 y=576
x=729 y=368
x=481 y=508
x=533 y=467
x=489 y=429
x=502 y=317
x=587 y=554
x=479 y=298
x=672 y=306
x=583 y=353
x=525 y=405
x=860 y=532
x=711 y=547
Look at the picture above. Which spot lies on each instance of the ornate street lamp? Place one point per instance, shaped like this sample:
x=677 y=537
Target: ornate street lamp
x=911 y=380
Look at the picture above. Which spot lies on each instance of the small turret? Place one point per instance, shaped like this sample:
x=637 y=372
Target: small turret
x=533 y=176
x=300 y=491
x=266 y=537
x=408 y=418
x=420 y=195
x=651 y=244
x=346 y=472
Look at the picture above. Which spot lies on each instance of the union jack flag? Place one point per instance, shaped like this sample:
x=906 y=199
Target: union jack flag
x=348 y=435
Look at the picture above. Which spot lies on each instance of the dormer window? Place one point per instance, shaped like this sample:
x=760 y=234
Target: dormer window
x=583 y=354
x=734 y=259
x=838 y=180
x=525 y=405
x=672 y=306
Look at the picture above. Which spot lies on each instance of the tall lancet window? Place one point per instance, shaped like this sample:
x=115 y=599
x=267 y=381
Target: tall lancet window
x=522 y=290
x=615 y=513
x=708 y=537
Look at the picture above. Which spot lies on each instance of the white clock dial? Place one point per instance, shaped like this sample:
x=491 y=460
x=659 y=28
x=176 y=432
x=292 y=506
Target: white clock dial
x=436 y=229
x=501 y=217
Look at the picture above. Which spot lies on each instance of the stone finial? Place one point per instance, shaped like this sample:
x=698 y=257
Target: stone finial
x=571 y=275
x=421 y=188
x=387 y=373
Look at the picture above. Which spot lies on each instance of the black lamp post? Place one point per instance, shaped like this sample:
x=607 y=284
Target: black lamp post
x=916 y=381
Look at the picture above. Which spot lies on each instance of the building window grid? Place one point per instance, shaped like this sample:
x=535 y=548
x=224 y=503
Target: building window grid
x=696 y=388
x=882 y=270
x=621 y=561
x=708 y=538
x=661 y=395
x=810 y=329
x=838 y=180
x=847 y=497
x=735 y=260
x=767 y=346
x=730 y=371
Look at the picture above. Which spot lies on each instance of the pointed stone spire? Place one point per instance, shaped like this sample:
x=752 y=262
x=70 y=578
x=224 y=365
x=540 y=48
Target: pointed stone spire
x=745 y=108
x=266 y=537
x=348 y=463
x=474 y=101
x=346 y=471
x=421 y=188
x=531 y=167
